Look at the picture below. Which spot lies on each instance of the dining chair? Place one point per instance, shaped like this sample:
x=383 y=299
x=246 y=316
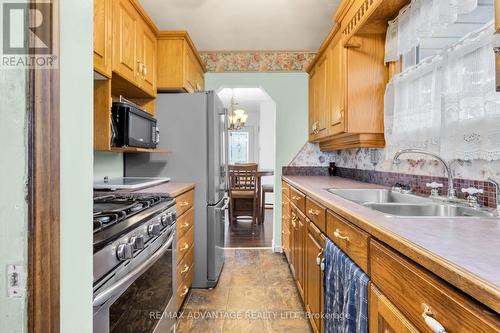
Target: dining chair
x=266 y=188
x=243 y=187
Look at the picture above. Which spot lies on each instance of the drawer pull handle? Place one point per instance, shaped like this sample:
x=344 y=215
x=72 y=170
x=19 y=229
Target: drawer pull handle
x=184 y=293
x=185 y=225
x=337 y=234
x=313 y=212
x=184 y=204
x=434 y=325
x=295 y=197
x=294 y=218
x=184 y=248
x=322 y=265
x=318 y=257
x=185 y=269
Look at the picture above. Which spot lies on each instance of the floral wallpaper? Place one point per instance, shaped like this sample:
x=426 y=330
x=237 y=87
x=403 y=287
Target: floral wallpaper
x=377 y=160
x=257 y=61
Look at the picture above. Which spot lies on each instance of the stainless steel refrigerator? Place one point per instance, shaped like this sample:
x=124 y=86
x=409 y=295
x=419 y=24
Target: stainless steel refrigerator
x=194 y=128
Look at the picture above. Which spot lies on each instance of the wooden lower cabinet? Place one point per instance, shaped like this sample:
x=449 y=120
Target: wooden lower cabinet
x=404 y=297
x=185 y=245
x=314 y=277
x=384 y=317
x=285 y=227
x=300 y=236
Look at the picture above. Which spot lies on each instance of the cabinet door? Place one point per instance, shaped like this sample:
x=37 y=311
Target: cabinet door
x=293 y=243
x=323 y=92
x=384 y=317
x=312 y=104
x=125 y=24
x=336 y=92
x=190 y=72
x=149 y=60
x=300 y=254
x=102 y=37
x=314 y=284
x=285 y=227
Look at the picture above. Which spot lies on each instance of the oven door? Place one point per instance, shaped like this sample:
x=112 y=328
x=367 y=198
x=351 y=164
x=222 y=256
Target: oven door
x=140 y=297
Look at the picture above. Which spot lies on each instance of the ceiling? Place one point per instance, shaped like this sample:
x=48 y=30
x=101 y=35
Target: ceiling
x=244 y=25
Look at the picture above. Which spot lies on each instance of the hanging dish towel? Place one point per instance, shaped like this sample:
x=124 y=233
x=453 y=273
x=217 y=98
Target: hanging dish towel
x=346 y=293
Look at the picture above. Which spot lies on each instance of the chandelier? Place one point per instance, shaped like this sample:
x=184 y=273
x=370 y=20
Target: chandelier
x=237 y=117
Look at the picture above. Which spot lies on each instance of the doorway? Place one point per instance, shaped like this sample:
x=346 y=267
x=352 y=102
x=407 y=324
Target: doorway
x=254 y=142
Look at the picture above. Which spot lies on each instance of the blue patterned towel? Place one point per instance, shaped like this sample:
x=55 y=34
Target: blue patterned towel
x=346 y=293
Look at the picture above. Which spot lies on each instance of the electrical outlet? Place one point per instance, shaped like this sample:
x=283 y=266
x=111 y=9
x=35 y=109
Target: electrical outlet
x=15 y=281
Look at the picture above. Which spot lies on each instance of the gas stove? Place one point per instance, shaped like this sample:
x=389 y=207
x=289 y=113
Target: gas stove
x=134 y=246
x=118 y=213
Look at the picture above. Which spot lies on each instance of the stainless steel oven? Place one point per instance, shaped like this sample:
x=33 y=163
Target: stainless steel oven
x=138 y=296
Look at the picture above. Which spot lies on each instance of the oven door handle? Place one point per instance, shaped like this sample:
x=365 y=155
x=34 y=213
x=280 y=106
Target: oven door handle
x=107 y=293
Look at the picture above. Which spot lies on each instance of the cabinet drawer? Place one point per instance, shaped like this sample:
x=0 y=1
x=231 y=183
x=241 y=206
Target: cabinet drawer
x=184 y=243
x=184 y=222
x=183 y=288
x=185 y=266
x=316 y=213
x=352 y=240
x=413 y=289
x=298 y=199
x=285 y=190
x=183 y=202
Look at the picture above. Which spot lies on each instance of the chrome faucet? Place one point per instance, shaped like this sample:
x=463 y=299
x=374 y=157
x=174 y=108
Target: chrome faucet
x=496 y=182
x=451 y=187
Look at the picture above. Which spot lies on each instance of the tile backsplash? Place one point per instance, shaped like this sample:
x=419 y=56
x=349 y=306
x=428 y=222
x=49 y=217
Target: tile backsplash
x=373 y=166
x=377 y=160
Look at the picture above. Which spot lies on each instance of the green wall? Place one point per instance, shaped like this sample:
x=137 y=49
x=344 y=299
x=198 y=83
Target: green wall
x=13 y=206
x=290 y=92
x=107 y=165
x=76 y=64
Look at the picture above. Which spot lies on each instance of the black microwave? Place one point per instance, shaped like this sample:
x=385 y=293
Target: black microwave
x=133 y=127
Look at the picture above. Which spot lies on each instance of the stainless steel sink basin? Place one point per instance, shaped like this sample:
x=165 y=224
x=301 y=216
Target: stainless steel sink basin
x=362 y=196
x=407 y=205
x=428 y=210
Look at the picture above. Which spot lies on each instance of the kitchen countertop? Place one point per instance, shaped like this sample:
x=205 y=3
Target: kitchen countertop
x=172 y=189
x=464 y=252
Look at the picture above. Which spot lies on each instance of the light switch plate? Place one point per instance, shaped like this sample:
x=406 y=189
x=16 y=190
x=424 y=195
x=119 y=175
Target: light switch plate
x=15 y=281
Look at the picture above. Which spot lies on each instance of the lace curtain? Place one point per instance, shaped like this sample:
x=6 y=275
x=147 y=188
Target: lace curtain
x=422 y=18
x=448 y=103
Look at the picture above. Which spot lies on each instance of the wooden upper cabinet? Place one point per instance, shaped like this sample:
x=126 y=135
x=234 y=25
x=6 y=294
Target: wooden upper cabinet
x=319 y=104
x=312 y=104
x=134 y=50
x=102 y=37
x=179 y=65
x=148 y=51
x=337 y=95
x=349 y=76
x=125 y=26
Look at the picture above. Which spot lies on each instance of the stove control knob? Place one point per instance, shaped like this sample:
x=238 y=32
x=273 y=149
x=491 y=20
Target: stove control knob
x=167 y=220
x=154 y=229
x=174 y=216
x=124 y=252
x=137 y=242
x=164 y=219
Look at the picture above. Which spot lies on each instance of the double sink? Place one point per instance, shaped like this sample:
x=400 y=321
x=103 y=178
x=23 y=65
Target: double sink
x=408 y=205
